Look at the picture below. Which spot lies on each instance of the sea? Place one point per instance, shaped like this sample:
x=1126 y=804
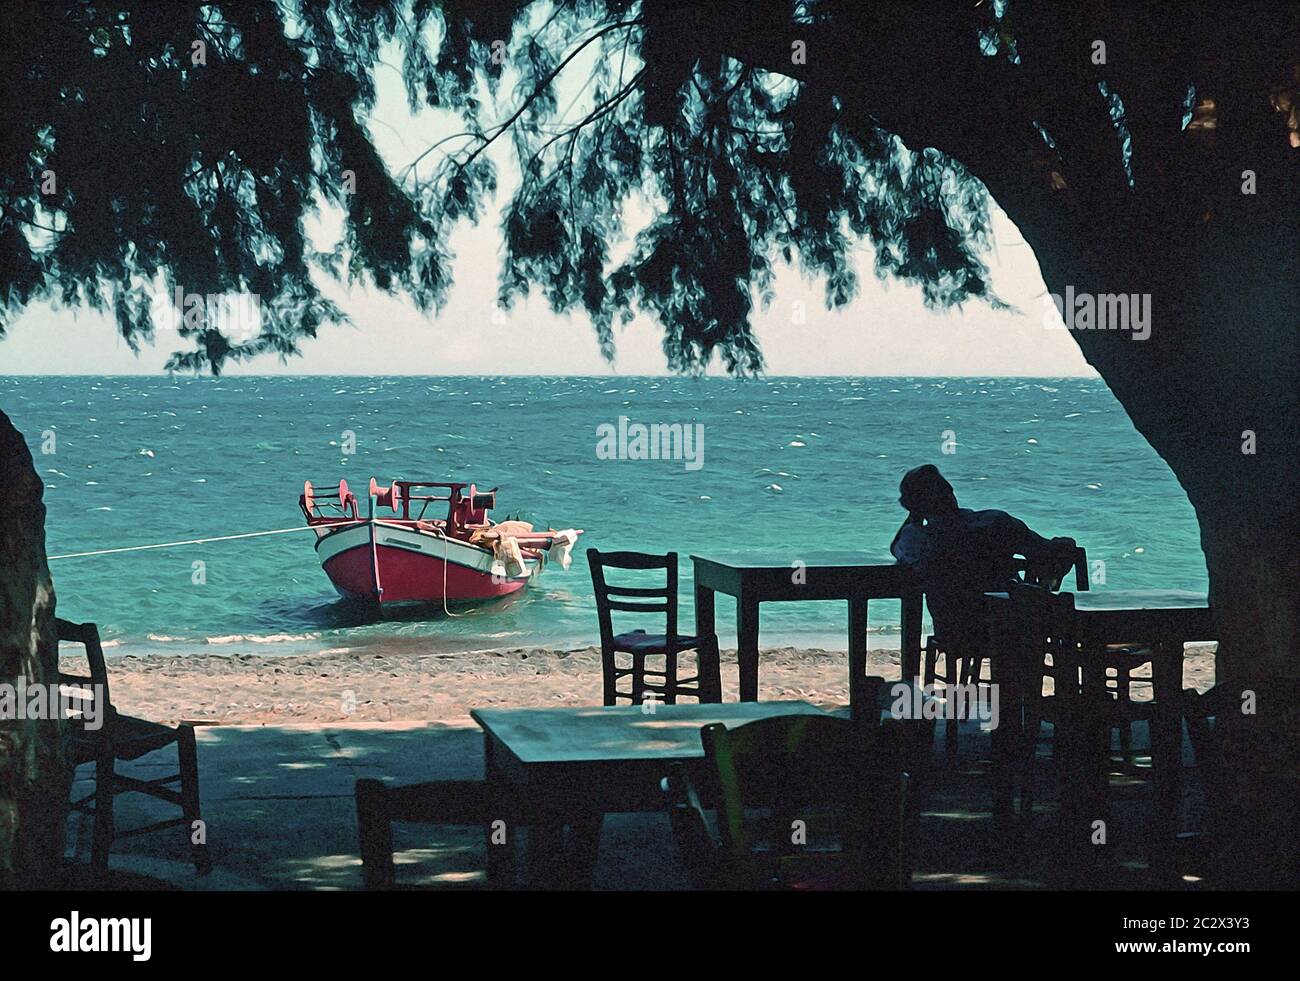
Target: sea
x=774 y=466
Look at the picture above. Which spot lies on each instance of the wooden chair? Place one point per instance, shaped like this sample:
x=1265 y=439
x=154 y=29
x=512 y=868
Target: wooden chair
x=963 y=660
x=635 y=648
x=121 y=737
x=788 y=790
x=1092 y=698
x=442 y=802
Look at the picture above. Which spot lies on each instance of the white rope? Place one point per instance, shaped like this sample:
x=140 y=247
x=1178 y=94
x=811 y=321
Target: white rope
x=192 y=541
x=446 y=561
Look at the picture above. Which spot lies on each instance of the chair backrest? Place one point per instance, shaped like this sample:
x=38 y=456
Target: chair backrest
x=1050 y=571
x=87 y=635
x=633 y=599
x=1027 y=624
x=448 y=802
x=775 y=772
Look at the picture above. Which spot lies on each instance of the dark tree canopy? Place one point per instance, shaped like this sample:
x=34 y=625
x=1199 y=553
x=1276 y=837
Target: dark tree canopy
x=168 y=173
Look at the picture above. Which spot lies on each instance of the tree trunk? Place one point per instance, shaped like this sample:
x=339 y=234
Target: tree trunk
x=34 y=775
x=1254 y=573
x=1214 y=391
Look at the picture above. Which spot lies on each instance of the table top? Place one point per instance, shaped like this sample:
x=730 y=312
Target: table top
x=1141 y=615
x=785 y=559
x=1131 y=600
x=1140 y=599
x=614 y=733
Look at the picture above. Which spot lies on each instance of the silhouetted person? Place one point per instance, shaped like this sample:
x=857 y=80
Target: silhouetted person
x=960 y=554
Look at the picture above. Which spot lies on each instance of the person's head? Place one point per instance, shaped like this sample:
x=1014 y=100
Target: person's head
x=924 y=492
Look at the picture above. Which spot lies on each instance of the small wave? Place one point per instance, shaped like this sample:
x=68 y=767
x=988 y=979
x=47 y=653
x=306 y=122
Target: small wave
x=257 y=638
x=224 y=639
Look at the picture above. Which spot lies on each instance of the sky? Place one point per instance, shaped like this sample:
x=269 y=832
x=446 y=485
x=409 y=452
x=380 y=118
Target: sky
x=886 y=330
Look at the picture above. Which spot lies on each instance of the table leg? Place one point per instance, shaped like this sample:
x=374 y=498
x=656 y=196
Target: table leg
x=583 y=847
x=910 y=621
x=1083 y=735
x=545 y=861
x=501 y=828
x=747 y=644
x=710 y=671
x=705 y=621
x=858 y=658
x=1166 y=750
x=1005 y=738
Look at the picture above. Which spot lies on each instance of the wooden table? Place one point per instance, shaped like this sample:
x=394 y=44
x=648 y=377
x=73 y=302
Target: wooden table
x=554 y=767
x=1145 y=613
x=1162 y=621
x=1165 y=621
x=852 y=578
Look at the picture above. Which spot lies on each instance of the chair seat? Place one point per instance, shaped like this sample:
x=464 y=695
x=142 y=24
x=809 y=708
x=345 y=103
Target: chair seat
x=640 y=642
x=131 y=737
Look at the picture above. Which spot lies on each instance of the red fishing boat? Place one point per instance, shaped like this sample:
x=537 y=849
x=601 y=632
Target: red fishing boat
x=400 y=552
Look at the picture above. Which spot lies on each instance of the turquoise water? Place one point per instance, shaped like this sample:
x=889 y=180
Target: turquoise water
x=789 y=466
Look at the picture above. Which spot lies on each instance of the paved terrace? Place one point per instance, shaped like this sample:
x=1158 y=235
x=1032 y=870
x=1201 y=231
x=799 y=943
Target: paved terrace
x=278 y=801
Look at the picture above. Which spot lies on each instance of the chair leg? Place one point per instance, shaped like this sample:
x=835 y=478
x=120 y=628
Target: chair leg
x=952 y=722
x=638 y=679
x=1126 y=745
x=1033 y=731
x=670 y=678
x=189 y=761
x=608 y=669
x=953 y=675
x=375 y=834
x=931 y=663
x=105 y=790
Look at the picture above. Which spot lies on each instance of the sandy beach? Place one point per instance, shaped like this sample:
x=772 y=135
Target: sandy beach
x=395 y=682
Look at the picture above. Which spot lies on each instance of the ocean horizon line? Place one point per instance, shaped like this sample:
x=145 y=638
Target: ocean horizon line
x=687 y=377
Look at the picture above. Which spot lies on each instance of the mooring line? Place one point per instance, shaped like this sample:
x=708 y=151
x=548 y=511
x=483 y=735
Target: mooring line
x=192 y=541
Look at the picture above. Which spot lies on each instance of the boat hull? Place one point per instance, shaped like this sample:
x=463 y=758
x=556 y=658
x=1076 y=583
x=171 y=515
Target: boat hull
x=387 y=564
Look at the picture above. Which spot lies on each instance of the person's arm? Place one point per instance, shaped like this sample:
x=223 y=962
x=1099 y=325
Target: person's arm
x=1021 y=539
x=911 y=543
x=1053 y=556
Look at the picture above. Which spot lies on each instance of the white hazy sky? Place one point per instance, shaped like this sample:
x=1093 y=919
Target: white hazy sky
x=885 y=331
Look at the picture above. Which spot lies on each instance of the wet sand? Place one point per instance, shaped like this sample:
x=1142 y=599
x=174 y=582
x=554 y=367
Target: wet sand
x=400 y=684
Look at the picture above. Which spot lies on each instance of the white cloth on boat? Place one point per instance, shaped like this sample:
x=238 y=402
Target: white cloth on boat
x=562 y=546
x=507 y=553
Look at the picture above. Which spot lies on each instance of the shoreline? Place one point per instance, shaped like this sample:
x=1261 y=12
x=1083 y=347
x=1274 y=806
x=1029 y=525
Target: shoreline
x=395 y=683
